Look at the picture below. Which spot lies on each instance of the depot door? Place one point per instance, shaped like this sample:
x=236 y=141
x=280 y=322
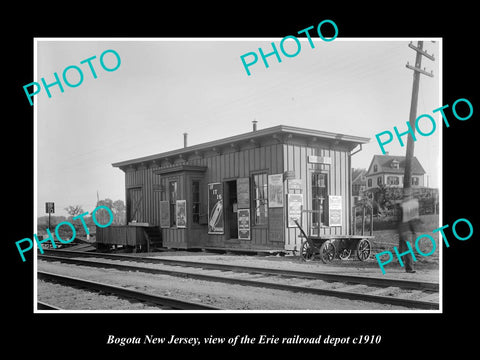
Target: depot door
x=231 y=220
x=134 y=205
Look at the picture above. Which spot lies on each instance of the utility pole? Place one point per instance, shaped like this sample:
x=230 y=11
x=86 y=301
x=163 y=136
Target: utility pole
x=417 y=70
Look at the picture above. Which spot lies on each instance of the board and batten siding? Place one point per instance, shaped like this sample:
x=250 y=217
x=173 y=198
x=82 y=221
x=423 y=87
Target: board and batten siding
x=231 y=164
x=240 y=163
x=296 y=160
x=143 y=179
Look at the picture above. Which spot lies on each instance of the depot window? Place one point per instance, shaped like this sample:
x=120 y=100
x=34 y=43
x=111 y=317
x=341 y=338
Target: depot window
x=260 y=201
x=196 y=201
x=319 y=199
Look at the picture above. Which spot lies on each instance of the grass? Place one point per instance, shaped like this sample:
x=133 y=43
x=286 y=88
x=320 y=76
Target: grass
x=385 y=240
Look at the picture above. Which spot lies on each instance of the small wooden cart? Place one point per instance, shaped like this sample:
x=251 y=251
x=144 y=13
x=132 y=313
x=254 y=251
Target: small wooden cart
x=328 y=247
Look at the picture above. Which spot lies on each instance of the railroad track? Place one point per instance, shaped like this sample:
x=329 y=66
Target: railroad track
x=45 y=306
x=165 y=303
x=411 y=294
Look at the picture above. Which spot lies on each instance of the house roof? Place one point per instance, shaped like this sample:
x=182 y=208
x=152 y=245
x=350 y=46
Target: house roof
x=357 y=175
x=385 y=165
x=276 y=131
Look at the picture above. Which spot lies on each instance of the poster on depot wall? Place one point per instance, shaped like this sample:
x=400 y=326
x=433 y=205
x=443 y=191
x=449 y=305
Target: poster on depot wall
x=275 y=190
x=215 y=208
x=335 y=212
x=181 y=213
x=294 y=209
x=244 y=224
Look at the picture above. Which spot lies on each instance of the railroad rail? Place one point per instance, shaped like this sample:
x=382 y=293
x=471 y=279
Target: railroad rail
x=343 y=286
x=166 y=303
x=407 y=284
x=45 y=306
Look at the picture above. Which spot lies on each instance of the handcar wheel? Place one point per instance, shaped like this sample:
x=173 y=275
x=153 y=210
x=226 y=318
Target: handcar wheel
x=363 y=249
x=308 y=252
x=327 y=251
x=344 y=254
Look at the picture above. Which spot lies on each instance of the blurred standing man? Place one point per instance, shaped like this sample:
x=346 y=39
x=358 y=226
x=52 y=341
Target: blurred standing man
x=409 y=220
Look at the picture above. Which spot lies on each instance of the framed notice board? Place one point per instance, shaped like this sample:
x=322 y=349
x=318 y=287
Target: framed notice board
x=181 y=215
x=294 y=209
x=244 y=224
x=335 y=211
x=164 y=214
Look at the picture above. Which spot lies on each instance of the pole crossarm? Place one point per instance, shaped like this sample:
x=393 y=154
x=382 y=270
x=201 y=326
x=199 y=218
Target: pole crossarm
x=419 y=70
x=421 y=51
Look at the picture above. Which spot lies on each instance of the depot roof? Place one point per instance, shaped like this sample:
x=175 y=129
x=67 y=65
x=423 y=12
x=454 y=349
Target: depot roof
x=276 y=131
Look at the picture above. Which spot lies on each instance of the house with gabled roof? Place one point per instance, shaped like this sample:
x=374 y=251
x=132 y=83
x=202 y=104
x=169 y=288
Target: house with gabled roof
x=389 y=170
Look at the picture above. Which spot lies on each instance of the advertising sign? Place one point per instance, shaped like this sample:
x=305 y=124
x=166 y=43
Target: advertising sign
x=244 y=224
x=275 y=190
x=181 y=213
x=334 y=210
x=215 y=208
x=312 y=159
x=294 y=185
x=294 y=203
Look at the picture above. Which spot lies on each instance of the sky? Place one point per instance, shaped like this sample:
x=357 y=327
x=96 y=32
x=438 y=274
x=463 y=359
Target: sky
x=165 y=87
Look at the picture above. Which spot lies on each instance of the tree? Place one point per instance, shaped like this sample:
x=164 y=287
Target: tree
x=386 y=197
x=101 y=215
x=118 y=209
x=74 y=210
x=42 y=222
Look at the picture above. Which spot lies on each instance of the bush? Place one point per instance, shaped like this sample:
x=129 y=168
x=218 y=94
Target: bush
x=428 y=223
x=385 y=223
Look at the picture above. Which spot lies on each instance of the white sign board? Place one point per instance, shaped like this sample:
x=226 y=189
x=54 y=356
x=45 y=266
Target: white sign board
x=335 y=210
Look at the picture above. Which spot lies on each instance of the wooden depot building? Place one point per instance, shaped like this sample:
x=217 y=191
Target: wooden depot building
x=240 y=192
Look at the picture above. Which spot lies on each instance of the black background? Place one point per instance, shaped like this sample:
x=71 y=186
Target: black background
x=61 y=335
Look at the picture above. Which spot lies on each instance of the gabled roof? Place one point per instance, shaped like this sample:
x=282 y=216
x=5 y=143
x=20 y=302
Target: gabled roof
x=357 y=175
x=350 y=141
x=385 y=165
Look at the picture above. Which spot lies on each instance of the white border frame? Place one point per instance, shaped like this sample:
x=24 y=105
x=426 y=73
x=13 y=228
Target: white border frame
x=35 y=143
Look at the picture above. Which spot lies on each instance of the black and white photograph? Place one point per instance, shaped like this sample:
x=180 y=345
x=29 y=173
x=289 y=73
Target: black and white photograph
x=134 y=149
x=299 y=186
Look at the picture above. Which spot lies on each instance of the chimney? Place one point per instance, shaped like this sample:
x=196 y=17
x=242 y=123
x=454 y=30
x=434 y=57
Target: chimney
x=185 y=139
x=254 y=122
